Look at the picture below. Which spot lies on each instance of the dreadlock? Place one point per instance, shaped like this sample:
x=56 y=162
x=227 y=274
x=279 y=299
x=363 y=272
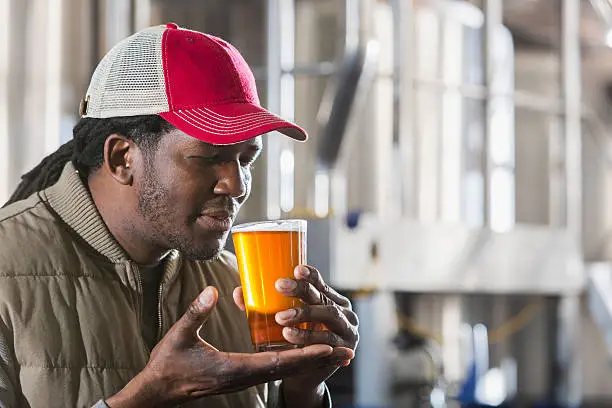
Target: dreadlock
x=86 y=149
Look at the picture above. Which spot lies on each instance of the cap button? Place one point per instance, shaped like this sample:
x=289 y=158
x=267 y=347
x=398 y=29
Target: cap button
x=172 y=26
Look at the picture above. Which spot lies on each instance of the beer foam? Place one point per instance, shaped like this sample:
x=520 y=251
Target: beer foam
x=279 y=225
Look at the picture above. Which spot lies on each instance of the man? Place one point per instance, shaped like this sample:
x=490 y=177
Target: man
x=114 y=289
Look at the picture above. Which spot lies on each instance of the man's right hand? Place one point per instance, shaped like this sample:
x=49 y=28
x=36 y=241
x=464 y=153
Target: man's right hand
x=184 y=367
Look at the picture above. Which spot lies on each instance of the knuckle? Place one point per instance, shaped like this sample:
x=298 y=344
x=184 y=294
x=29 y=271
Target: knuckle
x=324 y=300
x=347 y=303
x=223 y=367
x=352 y=316
x=193 y=311
x=276 y=363
x=335 y=313
x=325 y=287
x=355 y=333
x=304 y=313
x=302 y=288
x=314 y=296
x=314 y=273
x=316 y=276
x=355 y=339
x=308 y=336
x=331 y=338
x=223 y=379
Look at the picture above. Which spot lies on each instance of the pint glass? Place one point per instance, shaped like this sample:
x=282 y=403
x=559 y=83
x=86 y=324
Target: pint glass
x=267 y=251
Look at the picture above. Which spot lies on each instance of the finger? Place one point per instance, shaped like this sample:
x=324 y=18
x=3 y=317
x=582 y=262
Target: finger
x=188 y=325
x=312 y=275
x=308 y=337
x=303 y=314
x=300 y=289
x=250 y=369
x=239 y=298
x=334 y=317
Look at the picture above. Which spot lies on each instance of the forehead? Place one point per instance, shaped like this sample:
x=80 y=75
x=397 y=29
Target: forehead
x=179 y=140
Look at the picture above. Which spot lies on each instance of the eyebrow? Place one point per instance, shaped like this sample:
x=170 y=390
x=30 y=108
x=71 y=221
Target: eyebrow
x=254 y=147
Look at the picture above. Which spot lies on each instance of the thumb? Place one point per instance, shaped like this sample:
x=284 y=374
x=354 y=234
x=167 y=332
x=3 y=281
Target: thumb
x=197 y=313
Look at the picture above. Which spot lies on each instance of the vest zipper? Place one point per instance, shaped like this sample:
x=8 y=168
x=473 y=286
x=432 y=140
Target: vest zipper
x=170 y=270
x=160 y=324
x=138 y=280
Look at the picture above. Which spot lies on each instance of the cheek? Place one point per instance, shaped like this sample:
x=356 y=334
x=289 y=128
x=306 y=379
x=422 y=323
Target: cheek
x=190 y=183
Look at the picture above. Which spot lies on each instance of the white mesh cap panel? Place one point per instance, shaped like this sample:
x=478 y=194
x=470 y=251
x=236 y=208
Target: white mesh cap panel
x=130 y=78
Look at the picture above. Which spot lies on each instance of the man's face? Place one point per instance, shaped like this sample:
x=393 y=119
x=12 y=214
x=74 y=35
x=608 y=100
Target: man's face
x=189 y=192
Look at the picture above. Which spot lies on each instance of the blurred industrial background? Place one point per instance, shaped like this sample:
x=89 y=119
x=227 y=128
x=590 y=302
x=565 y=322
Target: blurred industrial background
x=458 y=179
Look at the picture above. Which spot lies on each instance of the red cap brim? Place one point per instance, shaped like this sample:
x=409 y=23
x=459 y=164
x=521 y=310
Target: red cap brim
x=231 y=123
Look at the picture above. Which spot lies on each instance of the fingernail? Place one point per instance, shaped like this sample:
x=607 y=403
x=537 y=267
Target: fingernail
x=206 y=298
x=287 y=284
x=291 y=331
x=303 y=271
x=287 y=314
x=344 y=363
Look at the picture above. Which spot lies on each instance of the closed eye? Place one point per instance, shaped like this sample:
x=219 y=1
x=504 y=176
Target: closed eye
x=248 y=162
x=207 y=159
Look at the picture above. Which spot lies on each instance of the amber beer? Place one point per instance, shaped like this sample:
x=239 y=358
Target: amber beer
x=266 y=252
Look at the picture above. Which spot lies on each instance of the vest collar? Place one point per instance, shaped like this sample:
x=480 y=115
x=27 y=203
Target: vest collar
x=71 y=200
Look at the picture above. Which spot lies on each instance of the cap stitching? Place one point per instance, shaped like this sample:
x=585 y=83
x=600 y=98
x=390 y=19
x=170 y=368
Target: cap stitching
x=214 y=102
x=202 y=126
x=227 y=129
x=215 y=122
x=165 y=64
x=232 y=118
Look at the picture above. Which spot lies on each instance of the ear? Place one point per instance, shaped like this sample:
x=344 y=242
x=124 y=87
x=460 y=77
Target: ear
x=118 y=158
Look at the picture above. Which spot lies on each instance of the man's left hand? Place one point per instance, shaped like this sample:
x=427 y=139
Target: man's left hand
x=333 y=322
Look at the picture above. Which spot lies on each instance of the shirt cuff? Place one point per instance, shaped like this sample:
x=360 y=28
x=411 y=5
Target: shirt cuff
x=100 y=404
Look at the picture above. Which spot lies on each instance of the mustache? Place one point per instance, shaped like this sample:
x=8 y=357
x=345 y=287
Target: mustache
x=223 y=206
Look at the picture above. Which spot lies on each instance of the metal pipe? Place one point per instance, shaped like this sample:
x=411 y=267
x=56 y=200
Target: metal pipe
x=95 y=22
x=522 y=99
x=493 y=11
x=567 y=374
x=287 y=99
x=53 y=75
x=337 y=191
x=406 y=137
x=568 y=388
x=117 y=24
x=141 y=10
x=352 y=23
x=573 y=115
x=280 y=163
x=5 y=22
x=317 y=69
x=16 y=86
x=314 y=69
x=273 y=144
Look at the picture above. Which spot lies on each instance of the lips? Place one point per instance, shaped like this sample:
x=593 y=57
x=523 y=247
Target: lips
x=218 y=220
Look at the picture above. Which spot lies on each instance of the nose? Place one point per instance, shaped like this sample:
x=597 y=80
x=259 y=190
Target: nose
x=231 y=180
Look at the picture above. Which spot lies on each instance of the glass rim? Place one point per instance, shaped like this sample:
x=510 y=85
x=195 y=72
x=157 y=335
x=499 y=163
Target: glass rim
x=294 y=224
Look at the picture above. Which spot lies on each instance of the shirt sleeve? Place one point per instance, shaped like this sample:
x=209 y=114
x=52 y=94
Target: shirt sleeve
x=9 y=386
x=100 y=404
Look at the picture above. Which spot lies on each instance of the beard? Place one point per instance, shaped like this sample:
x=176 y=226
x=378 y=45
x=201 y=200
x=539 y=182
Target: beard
x=165 y=228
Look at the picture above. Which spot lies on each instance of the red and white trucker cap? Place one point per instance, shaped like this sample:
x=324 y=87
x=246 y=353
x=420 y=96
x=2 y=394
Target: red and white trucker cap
x=197 y=82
